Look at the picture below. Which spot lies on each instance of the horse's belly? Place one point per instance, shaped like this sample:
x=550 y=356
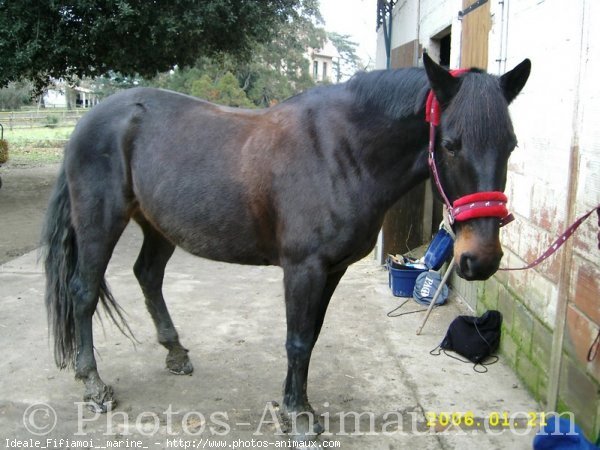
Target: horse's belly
x=214 y=231
x=242 y=253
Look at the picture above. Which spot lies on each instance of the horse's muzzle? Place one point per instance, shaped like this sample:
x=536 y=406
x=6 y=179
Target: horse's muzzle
x=477 y=249
x=473 y=267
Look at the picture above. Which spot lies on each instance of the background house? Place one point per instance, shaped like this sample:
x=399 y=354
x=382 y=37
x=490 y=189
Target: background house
x=63 y=96
x=321 y=62
x=551 y=313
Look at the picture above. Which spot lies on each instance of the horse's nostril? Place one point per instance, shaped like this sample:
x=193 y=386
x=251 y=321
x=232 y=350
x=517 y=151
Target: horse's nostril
x=474 y=267
x=468 y=265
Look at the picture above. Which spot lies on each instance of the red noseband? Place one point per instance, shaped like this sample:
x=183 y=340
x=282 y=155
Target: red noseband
x=481 y=204
x=471 y=206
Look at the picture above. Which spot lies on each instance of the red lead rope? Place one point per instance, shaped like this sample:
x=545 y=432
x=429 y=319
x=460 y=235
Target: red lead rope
x=560 y=241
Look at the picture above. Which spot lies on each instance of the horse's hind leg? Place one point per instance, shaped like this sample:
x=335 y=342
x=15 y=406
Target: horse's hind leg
x=149 y=270
x=95 y=244
x=85 y=289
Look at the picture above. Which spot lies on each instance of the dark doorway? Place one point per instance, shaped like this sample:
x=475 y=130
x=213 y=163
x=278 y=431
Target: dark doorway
x=439 y=47
x=445 y=50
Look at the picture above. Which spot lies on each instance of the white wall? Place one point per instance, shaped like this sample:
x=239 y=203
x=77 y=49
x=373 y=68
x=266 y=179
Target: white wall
x=544 y=117
x=405 y=26
x=435 y=16
x=55 y=99
x=422 y=19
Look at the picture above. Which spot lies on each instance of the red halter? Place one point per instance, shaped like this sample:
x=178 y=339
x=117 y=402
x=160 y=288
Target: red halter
x=471 y=206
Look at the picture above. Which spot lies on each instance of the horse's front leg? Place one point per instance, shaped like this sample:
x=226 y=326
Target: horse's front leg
x=308 y=289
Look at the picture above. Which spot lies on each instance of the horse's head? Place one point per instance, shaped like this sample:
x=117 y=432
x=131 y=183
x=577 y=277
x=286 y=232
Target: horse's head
x=473 y=143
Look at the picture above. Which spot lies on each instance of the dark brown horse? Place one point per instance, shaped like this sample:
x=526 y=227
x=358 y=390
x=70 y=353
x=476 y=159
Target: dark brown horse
x=303 y=185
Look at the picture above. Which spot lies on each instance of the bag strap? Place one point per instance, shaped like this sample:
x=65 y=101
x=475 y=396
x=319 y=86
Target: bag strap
x=394 y=313
x=483 y=365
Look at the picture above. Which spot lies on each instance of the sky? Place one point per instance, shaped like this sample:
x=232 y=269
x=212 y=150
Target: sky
x=356 y=18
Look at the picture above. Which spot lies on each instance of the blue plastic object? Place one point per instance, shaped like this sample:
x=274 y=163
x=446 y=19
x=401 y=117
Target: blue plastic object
x=402 y=281
x=439 y=249
x=561 y=434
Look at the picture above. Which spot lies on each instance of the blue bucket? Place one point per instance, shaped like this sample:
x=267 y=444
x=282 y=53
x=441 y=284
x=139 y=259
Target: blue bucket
x=402 y=278
x=402 y=281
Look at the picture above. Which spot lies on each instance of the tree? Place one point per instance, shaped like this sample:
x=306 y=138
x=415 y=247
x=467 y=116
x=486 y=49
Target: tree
x=15 y=95
x=280 y=67
x=108 y=84
x=178 y=79
x=276 y=69
x=204 y=88
x=349 y=62
x=230 y=92
x=226 y=91
x=45 y=39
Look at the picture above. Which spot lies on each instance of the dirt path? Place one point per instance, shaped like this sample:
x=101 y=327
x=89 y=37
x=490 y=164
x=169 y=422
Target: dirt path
x=23 y=200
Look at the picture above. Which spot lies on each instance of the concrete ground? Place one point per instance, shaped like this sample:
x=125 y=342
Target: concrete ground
x=366 y=366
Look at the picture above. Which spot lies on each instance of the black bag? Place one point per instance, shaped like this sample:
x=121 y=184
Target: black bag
x=475 y=338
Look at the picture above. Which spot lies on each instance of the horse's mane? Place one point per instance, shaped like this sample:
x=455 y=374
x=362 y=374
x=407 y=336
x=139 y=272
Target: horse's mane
x=398 y=93
x=402 y=92
x=488 y=121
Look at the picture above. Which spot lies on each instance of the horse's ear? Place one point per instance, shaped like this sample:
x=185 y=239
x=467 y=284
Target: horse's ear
x=512 y=82
x=444 y=85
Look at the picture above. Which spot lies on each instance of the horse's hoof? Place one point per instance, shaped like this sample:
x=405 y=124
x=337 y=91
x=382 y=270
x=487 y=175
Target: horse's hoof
x=100 y=408
x=303 y=426
x=318 y=428
x=99 y=399
x=178 y=362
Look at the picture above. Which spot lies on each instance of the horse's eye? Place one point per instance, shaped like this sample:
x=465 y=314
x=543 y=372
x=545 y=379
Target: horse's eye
x=450 y=146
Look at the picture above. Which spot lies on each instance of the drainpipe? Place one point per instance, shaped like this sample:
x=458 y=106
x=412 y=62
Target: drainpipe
x=416 y=54
x=502 y=54
x=387 y=33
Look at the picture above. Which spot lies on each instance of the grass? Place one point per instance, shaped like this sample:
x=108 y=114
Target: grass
x=39 y=137
x=36 y=146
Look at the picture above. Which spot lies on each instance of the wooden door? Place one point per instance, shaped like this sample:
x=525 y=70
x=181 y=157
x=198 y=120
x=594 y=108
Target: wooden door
x=403 y=224
x=476 y=25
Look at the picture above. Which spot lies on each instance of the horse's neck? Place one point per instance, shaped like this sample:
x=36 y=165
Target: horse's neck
x=390 y=121
x=395 y=154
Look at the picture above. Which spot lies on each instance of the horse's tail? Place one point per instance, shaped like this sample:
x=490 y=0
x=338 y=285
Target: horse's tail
x=59 y=243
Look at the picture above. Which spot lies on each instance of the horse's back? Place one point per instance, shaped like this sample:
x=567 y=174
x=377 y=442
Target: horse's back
x=182 y=164
x=232 y=185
